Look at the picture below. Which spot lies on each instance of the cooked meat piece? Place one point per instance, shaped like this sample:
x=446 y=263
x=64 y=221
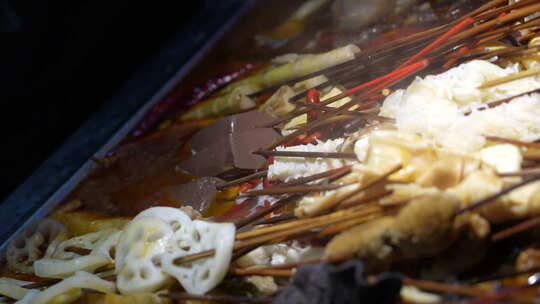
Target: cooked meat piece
x=423 y=227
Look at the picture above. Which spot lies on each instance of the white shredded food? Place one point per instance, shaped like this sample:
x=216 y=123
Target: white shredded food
x=288 y=168
x=450 y=110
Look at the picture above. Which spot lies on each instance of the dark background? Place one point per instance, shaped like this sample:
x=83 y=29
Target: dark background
x=62 y=60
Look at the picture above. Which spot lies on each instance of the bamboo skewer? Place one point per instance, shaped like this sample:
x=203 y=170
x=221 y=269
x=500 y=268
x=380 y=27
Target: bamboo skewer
x=531 y=156
x=514 y=142
x=277 y=219
x=290 y=225
x=507 y=100
x=480 y=28
x=41 y=284
x=485 y=7
x=286 y=230
x=498 y=194
x=292 y=190
x=314 y=177
x=345 y=155
x=497 y=11
x=262 y=272
x=525 y=225
x=443 y=287
x=216 y=298
x=512 y=77
x=259 y=214
x=284 y=202
x=371 y=184
x=524 y=172
x=365 y=199
x=78 y=250
x=315 y=223
x=505 y=275
x=466 y=22
x=242 y=180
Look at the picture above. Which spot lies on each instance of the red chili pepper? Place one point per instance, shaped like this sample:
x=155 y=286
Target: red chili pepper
x=235 y=209
x=267 y=204
x=460 y=52
x=439 y=41
x=245 y=187
x=311 y=138
x=267 y=183
x=313 y=96
x=255 y=181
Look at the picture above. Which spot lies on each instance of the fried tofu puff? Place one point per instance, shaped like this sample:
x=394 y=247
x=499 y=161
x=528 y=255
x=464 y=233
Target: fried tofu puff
x=423 y=227
x=520 y=203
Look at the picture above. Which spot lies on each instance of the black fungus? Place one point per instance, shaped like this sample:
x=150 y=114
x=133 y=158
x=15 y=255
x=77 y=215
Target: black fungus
x=326 y=283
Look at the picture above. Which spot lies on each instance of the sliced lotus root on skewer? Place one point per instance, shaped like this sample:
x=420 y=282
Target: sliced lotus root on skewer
x=70 y=289
x=62 y=263
x=107 y=246
x=25 y=248
x=138 y=255
x=200 y=276
x=11 y=288
x=175 y=217
x=86 y=241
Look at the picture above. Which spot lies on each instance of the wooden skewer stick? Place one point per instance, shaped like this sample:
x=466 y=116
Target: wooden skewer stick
x=500 y=276
x=340 y=227
x=485 y=7
x=262 y=272
x=516 y=27
x=297 y=264
x=524 y=172
x=505 y=79
x=290 y=225
x=531 y=156
x=365 y=199
x=314 y=177
x=439 y=41
x=277 y=219
x=261 y=213
x=506 y=100
x=345 y=155
x=496 y=12
x=270 y=233
x=316 y=223
x=78 y=250
x=41 y=284
x=499 y=194
x=283 y=202
x=292 y=190
x=481 y=28
x=193 y=257
x=369 y=185
x=242 y=180
x=525 y=225
x=514 y=142
x=216 y=298
x=443 y=287
x=502 y=52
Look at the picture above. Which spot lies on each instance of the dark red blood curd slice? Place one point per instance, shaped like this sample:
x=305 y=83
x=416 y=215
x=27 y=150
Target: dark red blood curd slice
x=228 y=142
x=198 y=194
x=243 y=144
x=211 y=160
